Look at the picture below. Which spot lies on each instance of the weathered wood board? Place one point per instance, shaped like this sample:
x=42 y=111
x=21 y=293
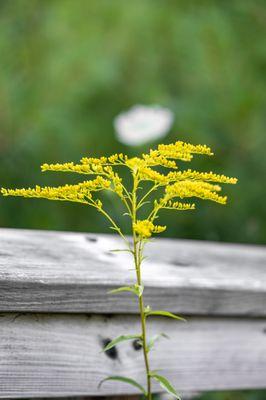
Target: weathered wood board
x=72 y=272
x=60 y=355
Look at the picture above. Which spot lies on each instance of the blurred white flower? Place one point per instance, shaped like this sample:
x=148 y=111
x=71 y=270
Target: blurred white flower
x=142 y=124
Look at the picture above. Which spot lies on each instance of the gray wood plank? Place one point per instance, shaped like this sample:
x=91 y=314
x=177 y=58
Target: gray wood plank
x=60 y=355
x=72 y=272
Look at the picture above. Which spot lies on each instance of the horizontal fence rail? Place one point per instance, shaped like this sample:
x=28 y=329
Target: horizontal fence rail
x=72 y=272
x=60 y=355
x=56 y=314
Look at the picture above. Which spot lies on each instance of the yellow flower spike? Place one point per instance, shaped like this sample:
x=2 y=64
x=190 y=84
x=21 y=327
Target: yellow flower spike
x=204 y=176
x=199 y=189
x=171 y=150
x=143 y=228
x=76 y=193
x=154 y=159
x=159 y=229
x=113 y=159
x=135 y=163
x=118 y=186
x=70 y=167
x=146 y=228
x=177 y=205
x=177 y=184
x=92 y=160
x=117 y=159
x=148 y=174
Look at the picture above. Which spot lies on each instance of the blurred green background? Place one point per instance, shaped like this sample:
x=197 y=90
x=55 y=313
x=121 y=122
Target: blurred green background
x=67 y=68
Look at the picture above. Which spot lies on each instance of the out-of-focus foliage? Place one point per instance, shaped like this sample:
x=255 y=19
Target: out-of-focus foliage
x=67 y=68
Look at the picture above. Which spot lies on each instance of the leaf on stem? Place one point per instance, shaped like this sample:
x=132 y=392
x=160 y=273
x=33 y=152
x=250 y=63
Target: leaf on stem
x=143 y=204
x=165 y=314
x=154 y=339
x=122 y=289
x=121 y=250
x=125 y=380
x=144 y=258
x=120 y=339
x=115 y=229
x=166 y=385
x=136 y=289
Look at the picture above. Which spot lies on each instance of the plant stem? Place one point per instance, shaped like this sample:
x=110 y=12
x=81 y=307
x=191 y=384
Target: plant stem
x=144 y=337
x=138 y=250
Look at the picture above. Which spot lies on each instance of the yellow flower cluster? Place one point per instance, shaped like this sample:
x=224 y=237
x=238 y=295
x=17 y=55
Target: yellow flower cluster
x=195 y=175
x=172 y=150
x=177 y=205
x=70 y=167
x=203 y=190
x=80 y=193
x=166 y=153
x=149 y=174
x=90 y=166
x=117 y=184
x=94 y=161
x=155 y=158
x=176 y=183
x=114 y=159
x=135 y=164
x=145 y=228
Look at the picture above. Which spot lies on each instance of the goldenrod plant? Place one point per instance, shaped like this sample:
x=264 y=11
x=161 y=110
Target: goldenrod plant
x=155 y=173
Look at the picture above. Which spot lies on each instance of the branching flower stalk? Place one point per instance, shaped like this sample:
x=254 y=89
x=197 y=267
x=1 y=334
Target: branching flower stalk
x=170 y=186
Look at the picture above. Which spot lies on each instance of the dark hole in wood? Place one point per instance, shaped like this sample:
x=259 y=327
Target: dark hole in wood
x=264 y=331
x=179 y=263
x=109 y=253
x=112 y=353
x=91 y=239
x=136 y=345
x=5 y=254
x=108 y=316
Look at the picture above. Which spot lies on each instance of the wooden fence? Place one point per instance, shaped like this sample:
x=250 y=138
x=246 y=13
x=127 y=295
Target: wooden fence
x=56 y=314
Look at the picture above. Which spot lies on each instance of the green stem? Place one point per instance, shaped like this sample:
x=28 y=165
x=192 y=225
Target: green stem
x=112 y=222
x=147 y=194
x=138 y=249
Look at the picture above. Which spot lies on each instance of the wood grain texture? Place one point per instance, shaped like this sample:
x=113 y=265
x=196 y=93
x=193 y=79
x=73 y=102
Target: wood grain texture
x=72 y=272
x=60 y=355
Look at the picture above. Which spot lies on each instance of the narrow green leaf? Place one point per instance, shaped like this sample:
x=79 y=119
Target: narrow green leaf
x=120 y=339
x=125 y=380
x=122 y=289
x=136 y=289
x=115 y=229
x=143 y=204
x=165 y=384
x=165 y=314
x=144 y=258
x=121 y=250
x=154 y=339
